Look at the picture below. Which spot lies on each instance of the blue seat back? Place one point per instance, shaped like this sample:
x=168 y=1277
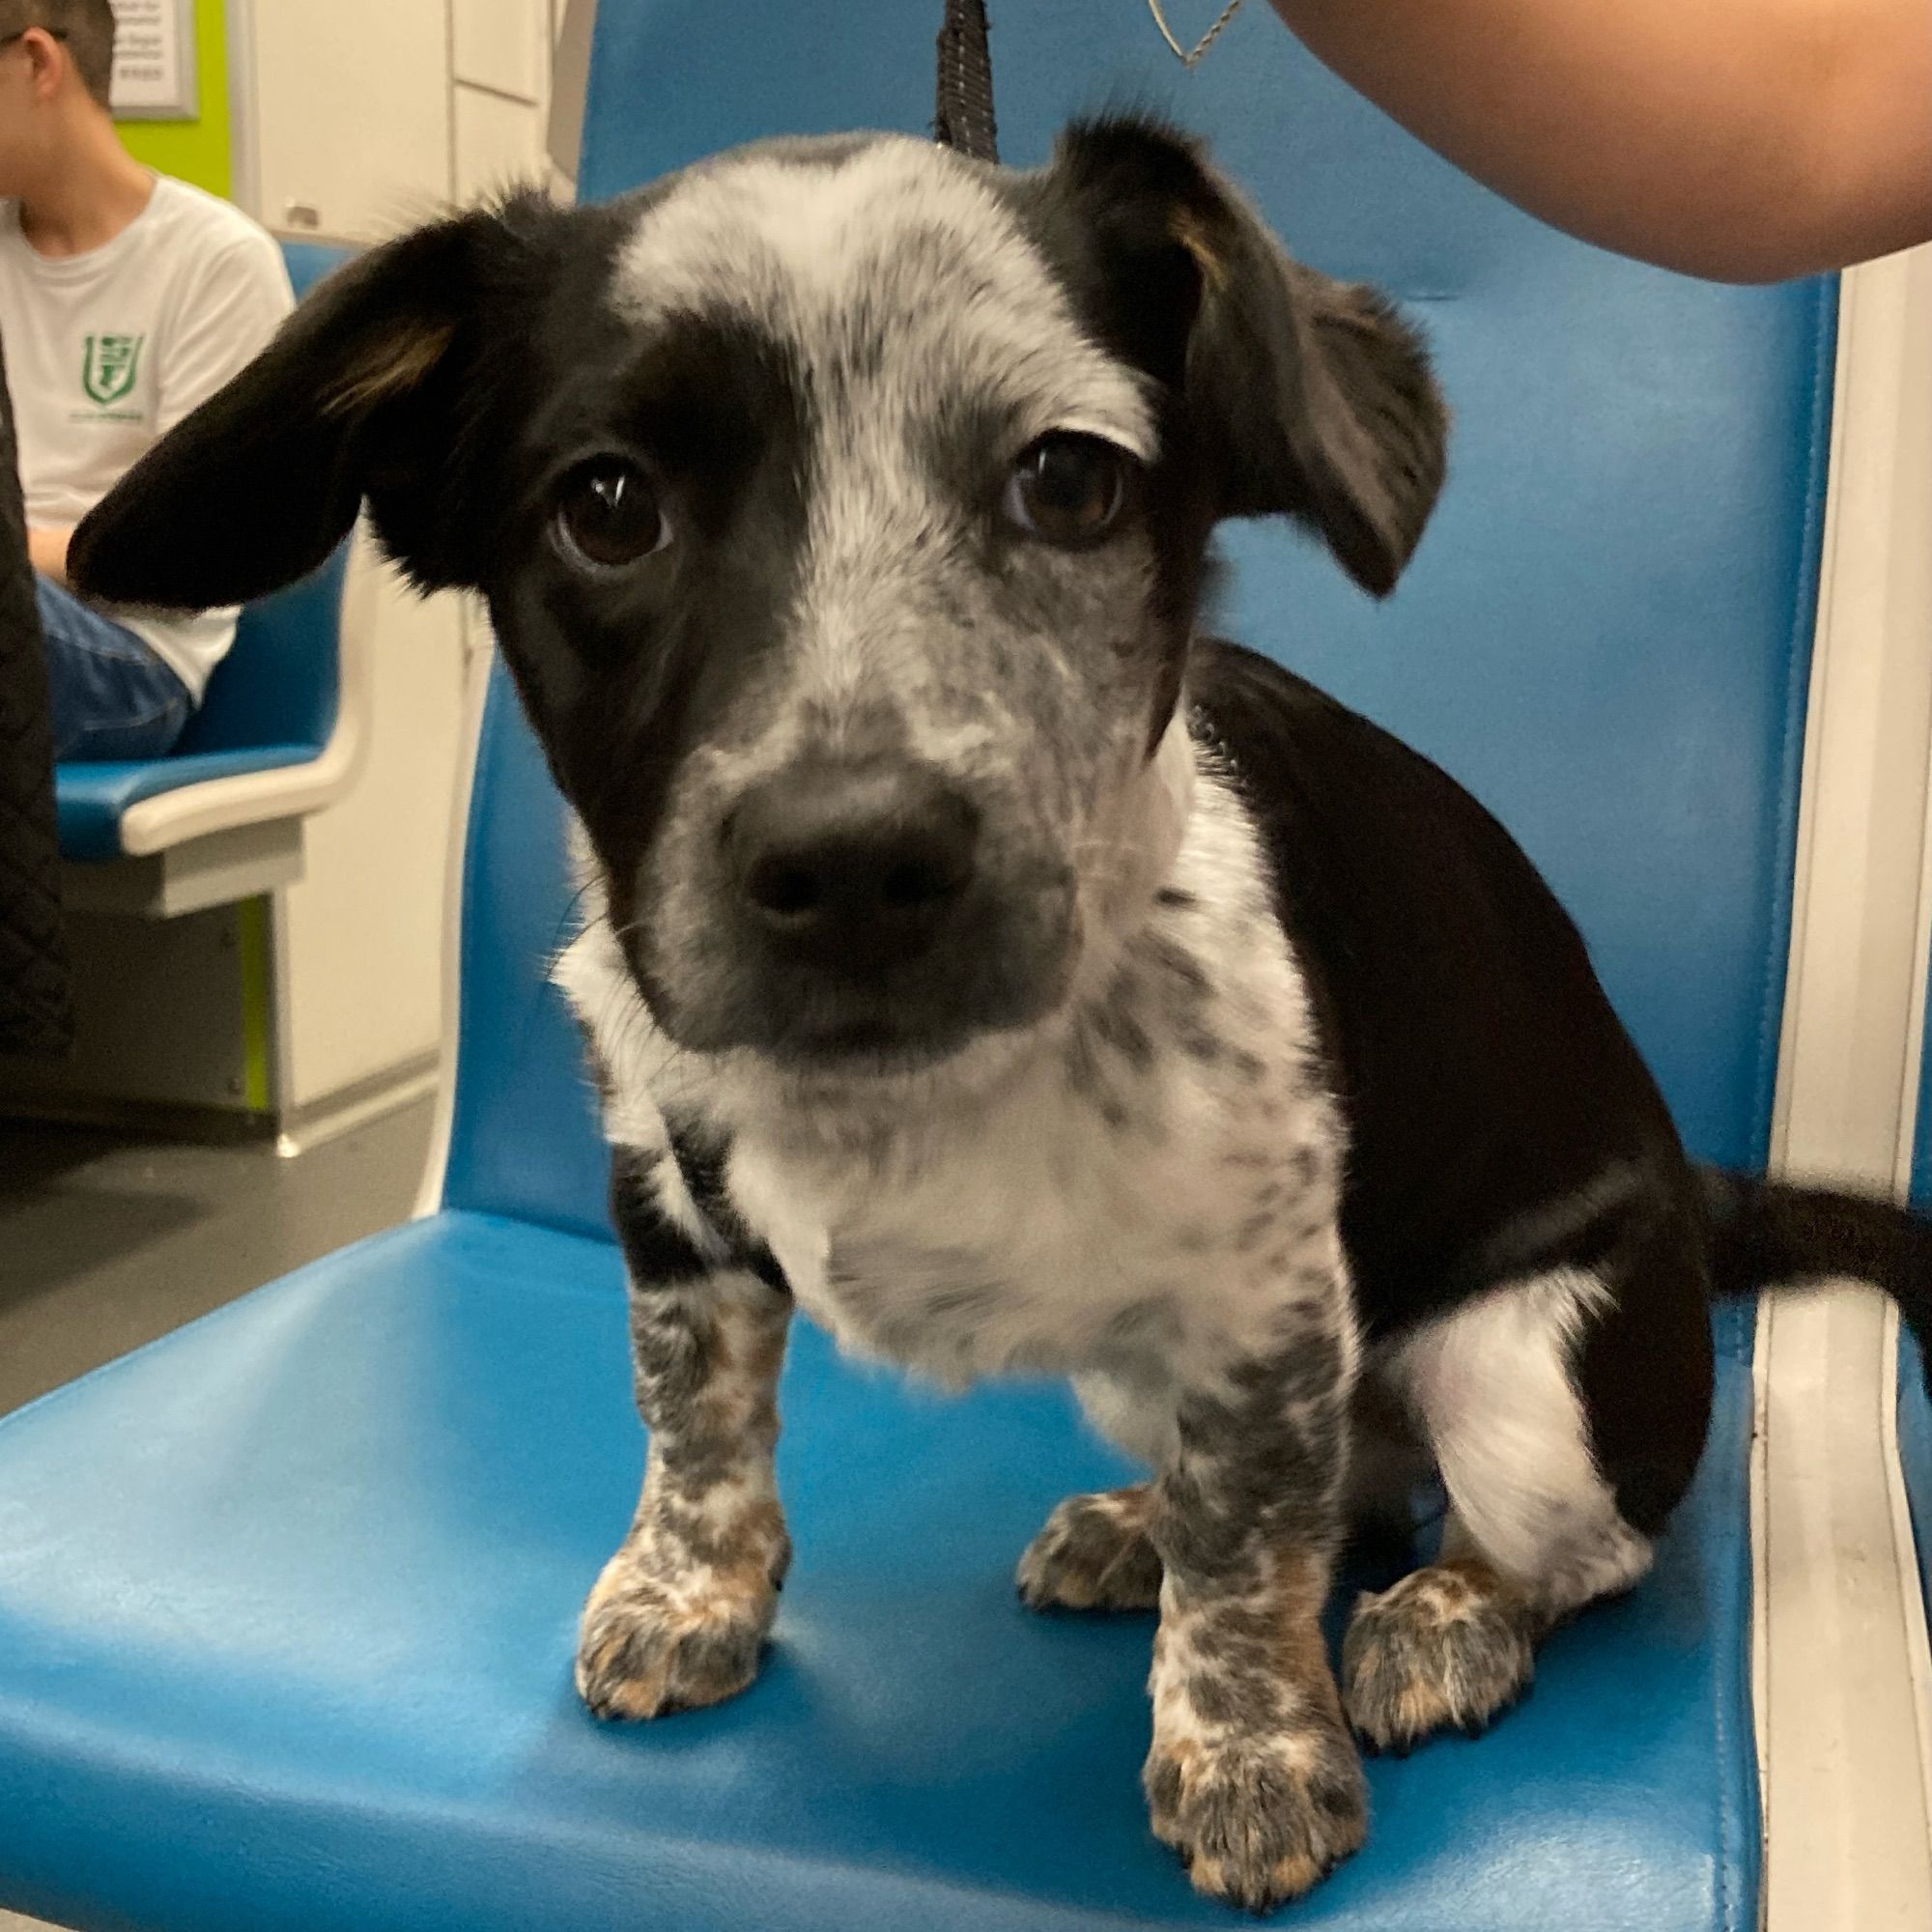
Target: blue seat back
x=1605 y=634
x=279 y=683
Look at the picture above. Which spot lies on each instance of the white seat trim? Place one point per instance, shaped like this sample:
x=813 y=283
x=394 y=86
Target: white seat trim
x=1844 y=1728
x=1844 y=1723
x=171 y=819
x=478 y=666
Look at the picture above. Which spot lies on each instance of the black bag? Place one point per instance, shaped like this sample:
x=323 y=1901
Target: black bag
x=36 y=1013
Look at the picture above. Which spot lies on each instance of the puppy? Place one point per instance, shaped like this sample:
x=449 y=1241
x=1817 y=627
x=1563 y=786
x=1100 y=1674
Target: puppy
x=983 y=961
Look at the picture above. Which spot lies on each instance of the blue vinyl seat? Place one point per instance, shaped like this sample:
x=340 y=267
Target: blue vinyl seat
x=1914 y=1402
x=287 y=1601
x=1914 y=1446
x=273 y=705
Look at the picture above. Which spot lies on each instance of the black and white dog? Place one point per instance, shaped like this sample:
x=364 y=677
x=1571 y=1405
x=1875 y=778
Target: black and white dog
x=989 y=964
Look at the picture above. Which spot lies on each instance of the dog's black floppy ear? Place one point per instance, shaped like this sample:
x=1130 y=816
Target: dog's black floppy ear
x=362 y=393
x=1309 y=398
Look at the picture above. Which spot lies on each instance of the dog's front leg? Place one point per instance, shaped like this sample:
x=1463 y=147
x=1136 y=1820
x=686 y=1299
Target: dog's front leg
x=681 y=1614
x=1253 y=1777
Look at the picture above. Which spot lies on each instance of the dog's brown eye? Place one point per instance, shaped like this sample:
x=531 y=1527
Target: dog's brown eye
x=1068 y=489
x=608 y=515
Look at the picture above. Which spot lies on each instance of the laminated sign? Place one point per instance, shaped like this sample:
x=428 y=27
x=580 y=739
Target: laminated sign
x=153 y=61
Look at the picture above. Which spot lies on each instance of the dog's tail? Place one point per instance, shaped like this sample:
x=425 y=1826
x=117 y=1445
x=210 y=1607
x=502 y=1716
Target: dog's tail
x=1765 y=1232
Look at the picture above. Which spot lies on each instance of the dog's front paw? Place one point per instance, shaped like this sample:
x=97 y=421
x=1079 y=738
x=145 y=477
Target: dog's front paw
x=661 y=1636
x=1259 y=1816
x=1094 y=1554
x=1449 y=1648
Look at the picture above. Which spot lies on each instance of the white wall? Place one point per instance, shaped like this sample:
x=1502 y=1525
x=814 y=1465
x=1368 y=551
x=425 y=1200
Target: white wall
x=350 y=113
x=358 y=118
x=366 y=115
x=499 y=52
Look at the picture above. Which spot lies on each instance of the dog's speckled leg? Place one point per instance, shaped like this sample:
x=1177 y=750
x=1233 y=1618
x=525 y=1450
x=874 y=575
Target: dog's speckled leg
x=680 y=1615
x=1253 y=1777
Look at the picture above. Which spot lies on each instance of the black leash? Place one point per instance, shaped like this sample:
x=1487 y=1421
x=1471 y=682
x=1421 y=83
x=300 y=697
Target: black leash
x=964 y=114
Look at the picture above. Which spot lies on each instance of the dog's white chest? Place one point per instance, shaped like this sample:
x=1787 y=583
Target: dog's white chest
x=969 y=1275
x=1045 y=1242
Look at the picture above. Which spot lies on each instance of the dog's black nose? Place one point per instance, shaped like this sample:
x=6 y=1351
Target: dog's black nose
x=852 y=865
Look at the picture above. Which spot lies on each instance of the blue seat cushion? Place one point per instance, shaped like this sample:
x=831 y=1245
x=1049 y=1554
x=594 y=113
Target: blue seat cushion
x=1914 y=1451
x=287 y=1606
x=1914 y=1409
x=92 y=798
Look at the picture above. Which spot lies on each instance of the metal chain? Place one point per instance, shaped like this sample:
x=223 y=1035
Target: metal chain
x=1207 y=39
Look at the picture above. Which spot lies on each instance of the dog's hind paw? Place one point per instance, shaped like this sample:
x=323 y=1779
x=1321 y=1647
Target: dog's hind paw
x=1093 y=1555
x=1449 y=1648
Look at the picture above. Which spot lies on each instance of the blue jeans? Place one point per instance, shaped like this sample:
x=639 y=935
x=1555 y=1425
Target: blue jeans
x=111 y=696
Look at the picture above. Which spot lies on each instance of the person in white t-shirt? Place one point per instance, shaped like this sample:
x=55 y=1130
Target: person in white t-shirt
x=126 y=298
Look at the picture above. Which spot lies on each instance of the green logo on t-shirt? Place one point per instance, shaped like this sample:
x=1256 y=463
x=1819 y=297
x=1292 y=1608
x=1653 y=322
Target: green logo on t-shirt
x=107 y=370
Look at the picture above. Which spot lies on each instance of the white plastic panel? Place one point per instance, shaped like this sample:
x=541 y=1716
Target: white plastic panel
x=1844 y=1723
x=502 y=44
x=359 y=939
x=349 y=123
x=498 y=142
x=1849 y=1059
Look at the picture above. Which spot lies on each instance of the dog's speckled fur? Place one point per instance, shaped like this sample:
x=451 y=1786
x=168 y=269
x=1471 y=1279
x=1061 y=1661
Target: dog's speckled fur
x=1246 y=1073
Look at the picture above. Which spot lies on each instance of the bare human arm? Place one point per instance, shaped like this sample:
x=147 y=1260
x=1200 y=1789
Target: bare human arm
x=1745 y=140
x=47 y=551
